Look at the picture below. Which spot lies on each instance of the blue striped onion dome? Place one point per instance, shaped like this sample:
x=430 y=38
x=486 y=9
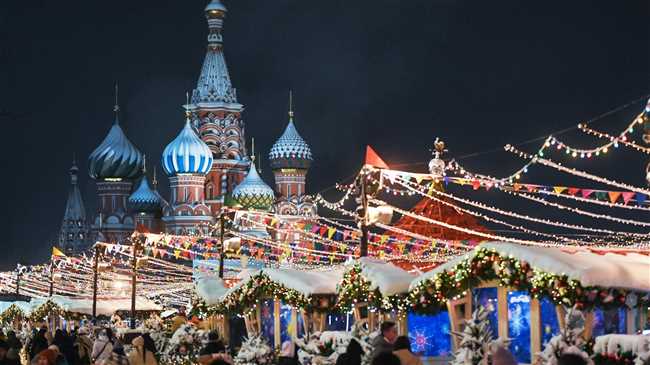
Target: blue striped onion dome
x=290 y=150
x=252 y=192
x=116 y=157
x=187 y=154
x=145 y=199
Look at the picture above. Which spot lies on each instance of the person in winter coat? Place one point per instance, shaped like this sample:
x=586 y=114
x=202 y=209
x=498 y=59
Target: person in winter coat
x=117 y=357
x=82 y=348
x=4 y=351
x=142 y=353
x=385 y=339
x=353 y=354
x=14 y=345
x=213 y=350
x=103 y=346
x=403 y=351
x=39 y=343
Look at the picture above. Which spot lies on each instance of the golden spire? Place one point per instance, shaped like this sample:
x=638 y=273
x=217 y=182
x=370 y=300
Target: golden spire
x=290 y=105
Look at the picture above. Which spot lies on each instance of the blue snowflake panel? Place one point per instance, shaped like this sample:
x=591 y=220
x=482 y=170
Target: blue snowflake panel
x=339 y=322
x=519 y=325
x=286 y=329
x=268 y=321
x=549 y=326
x=487 y=297
x=430 y=335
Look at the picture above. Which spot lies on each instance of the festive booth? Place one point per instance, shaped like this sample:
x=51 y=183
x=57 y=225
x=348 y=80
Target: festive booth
x=281 y=303
x=374 y=290
x=526 y=290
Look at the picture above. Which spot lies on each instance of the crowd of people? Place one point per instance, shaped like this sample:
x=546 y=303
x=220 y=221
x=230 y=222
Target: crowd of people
x=78 y=348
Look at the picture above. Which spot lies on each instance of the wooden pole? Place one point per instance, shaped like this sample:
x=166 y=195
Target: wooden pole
x=95 y=278
x=363 y=251
x=222 y=231
x=51 y=291
x=134 y=279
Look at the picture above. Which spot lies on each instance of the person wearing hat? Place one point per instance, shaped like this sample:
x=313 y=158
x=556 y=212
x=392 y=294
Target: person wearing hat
x=214 y=351
x=142 y=353
x=83 y=347
x=4 y=351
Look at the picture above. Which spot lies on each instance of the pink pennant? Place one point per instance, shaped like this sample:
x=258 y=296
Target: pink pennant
x=586 y=192
x=627 y=196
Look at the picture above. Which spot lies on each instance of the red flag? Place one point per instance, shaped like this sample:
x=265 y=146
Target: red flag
x=573 y=191
x=373 y=159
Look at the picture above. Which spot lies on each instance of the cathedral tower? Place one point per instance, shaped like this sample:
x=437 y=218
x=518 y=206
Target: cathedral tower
x=187 y=160
x=114 y=165
x=216 y=115
x=74 y=234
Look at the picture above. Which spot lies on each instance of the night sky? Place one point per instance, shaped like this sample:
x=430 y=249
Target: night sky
x=393 y=74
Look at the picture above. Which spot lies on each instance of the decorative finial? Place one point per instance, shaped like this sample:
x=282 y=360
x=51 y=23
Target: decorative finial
x=116 y=108
x=253 y=148
x=74 y=159
x=187 y=107
x=290 y=105
x=259 y=158
x=154 y=180
x=144 y=164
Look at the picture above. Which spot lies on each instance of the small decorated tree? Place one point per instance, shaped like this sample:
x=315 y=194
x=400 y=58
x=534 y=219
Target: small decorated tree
x=475 y=341
x=569 y=341
x=184 y=345
x=255 y=351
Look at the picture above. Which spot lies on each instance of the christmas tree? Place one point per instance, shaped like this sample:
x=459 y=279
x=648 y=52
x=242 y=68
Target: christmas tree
x=476 y=339
x=569 y=341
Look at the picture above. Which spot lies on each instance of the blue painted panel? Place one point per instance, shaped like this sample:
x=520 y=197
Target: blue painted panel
x=268 y=321
x=285 y=323
x=609 y=321
x=430 y=335
x=487 y=297
x=549 y=326
x=339 y=322
x=519 y=325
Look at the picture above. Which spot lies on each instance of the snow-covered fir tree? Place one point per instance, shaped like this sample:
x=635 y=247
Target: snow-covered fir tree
x=475 y=341
x=569 y=341
x=255 y=351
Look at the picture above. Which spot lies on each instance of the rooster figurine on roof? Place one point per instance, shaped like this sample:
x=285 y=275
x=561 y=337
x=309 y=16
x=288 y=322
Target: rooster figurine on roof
x=437 y=165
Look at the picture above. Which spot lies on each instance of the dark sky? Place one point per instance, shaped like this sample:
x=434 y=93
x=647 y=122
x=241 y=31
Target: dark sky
x=394 y=74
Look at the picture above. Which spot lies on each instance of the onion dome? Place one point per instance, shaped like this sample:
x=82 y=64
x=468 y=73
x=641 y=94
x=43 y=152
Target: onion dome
x=116 y=157
x=290 y=150
x=252 y=192
x=145 y=199
x=215 y=5
x=187 y=154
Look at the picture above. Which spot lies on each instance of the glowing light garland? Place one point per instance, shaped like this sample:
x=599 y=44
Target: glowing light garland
x=573 y=171
x=517 y=215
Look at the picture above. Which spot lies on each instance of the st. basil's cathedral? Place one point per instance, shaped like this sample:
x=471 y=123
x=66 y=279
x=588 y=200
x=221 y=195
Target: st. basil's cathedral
x=207 y=164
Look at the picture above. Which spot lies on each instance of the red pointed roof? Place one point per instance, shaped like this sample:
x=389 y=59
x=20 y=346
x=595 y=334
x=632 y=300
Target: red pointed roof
x=373 y=159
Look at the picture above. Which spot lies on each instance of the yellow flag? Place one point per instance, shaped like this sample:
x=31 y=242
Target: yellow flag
x=56 y=252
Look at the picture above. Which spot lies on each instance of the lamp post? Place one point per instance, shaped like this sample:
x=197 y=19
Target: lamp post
x=222 y=231
x=18 y=275
x=51 y=291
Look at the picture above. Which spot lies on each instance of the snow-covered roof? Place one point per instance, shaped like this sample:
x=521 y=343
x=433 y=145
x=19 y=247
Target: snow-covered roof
x=210 y=289
x=307 y=282
x=387 y=277
x=106 y=307
x=626 y=269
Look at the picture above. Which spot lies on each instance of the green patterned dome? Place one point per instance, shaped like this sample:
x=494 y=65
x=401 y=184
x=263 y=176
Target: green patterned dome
x=253 y=193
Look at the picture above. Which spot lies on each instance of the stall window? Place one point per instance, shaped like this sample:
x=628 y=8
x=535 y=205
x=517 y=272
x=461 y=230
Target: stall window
x=609 y=321
x=487 y=297
x=268 y=321
x=430 y=335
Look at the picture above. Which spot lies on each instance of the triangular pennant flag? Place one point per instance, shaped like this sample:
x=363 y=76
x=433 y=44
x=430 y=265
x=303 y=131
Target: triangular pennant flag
x=516 y=187
x=601 y=195
x=330 y=232
x=476 y=184
x=531 y=188
x=559 y=189
x=315 y=228
x=573 y=191
x=613 y=196
x=373 y=159
x=586 y=192
x=627 y=196
x=346 y=234
x=322 y=230
x=177 y=254
x=640 y=198
x=57 y=253
x=383 y=239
